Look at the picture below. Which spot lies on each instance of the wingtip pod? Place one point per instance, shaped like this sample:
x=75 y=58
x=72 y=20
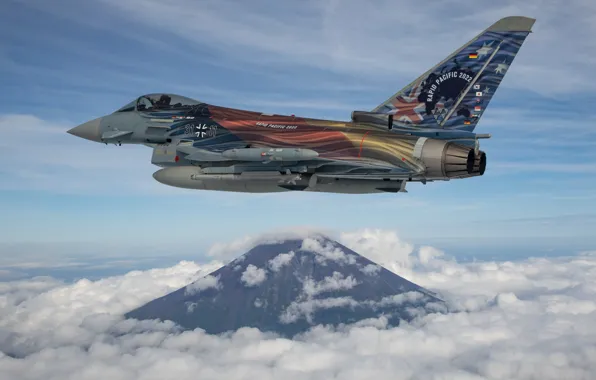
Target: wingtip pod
x=513 y=24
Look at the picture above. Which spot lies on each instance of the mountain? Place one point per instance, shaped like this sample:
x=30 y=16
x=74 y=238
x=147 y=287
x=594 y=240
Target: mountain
x=287 y=287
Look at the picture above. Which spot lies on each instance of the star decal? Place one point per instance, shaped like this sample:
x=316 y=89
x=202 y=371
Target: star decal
x=502 y=68
x=485 y=49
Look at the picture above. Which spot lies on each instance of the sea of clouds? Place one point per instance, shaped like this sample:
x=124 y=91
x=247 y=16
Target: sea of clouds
x=530 y=319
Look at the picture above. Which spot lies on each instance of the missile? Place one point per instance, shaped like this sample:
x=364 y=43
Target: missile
x=270 y=154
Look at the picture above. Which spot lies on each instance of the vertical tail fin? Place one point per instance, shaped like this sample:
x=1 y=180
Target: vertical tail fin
x=454 y=93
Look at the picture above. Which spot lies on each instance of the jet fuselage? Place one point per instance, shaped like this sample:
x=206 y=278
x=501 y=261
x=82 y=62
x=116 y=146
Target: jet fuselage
x=424 y=132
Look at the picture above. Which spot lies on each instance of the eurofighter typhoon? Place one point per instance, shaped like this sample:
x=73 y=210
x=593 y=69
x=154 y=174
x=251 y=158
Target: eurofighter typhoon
x=425 y=132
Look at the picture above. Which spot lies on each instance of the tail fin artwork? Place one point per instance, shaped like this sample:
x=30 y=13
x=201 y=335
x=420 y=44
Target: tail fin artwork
x=454 y=93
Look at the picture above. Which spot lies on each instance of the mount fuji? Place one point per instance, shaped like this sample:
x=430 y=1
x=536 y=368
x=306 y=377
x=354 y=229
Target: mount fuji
x=290 y=286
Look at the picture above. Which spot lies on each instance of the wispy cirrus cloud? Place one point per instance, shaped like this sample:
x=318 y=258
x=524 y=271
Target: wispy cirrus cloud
x=398 y=39
x=318 y=34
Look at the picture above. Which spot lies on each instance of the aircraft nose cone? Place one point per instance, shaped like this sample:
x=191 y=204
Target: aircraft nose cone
x=88 y=130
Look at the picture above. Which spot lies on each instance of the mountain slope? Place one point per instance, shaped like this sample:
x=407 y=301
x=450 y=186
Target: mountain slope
x=287 y=287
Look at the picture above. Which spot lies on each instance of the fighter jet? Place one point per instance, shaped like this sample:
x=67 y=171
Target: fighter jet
x=423 y=133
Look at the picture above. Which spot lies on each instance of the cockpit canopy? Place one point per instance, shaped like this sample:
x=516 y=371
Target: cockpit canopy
x=159 y=102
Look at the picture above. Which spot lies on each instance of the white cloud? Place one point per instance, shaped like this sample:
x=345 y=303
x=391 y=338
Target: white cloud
x=375 y=244
x=299 y=309
x=253 y=276
x=231 y=249
x=329 y=284
x=58 y=313
x=378 y=245
x=15 y=292
x=398 y=299
x=426 y=254
x=513 y=320
x=203 y=283
x=306 y=303
x=371 y=269
x=281 y=260
x=326 y=251
x=305 y=306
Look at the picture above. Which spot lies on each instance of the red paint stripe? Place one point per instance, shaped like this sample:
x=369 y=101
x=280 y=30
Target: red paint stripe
x=361 y=142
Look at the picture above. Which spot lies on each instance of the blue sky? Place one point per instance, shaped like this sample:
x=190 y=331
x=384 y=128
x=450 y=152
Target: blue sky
x=65 y=62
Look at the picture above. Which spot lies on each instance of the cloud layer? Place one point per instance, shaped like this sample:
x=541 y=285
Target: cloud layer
x=523 y=320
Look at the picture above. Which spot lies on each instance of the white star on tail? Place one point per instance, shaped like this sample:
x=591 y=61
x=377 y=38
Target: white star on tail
x=501 y=68
x=485 y=49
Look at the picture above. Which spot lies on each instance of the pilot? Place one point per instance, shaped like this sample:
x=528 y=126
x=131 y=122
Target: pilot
x=145 y=101
x=163 y=102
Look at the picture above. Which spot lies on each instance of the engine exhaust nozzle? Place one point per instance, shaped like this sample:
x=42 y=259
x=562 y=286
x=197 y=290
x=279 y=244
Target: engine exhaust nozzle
x=470 y=161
